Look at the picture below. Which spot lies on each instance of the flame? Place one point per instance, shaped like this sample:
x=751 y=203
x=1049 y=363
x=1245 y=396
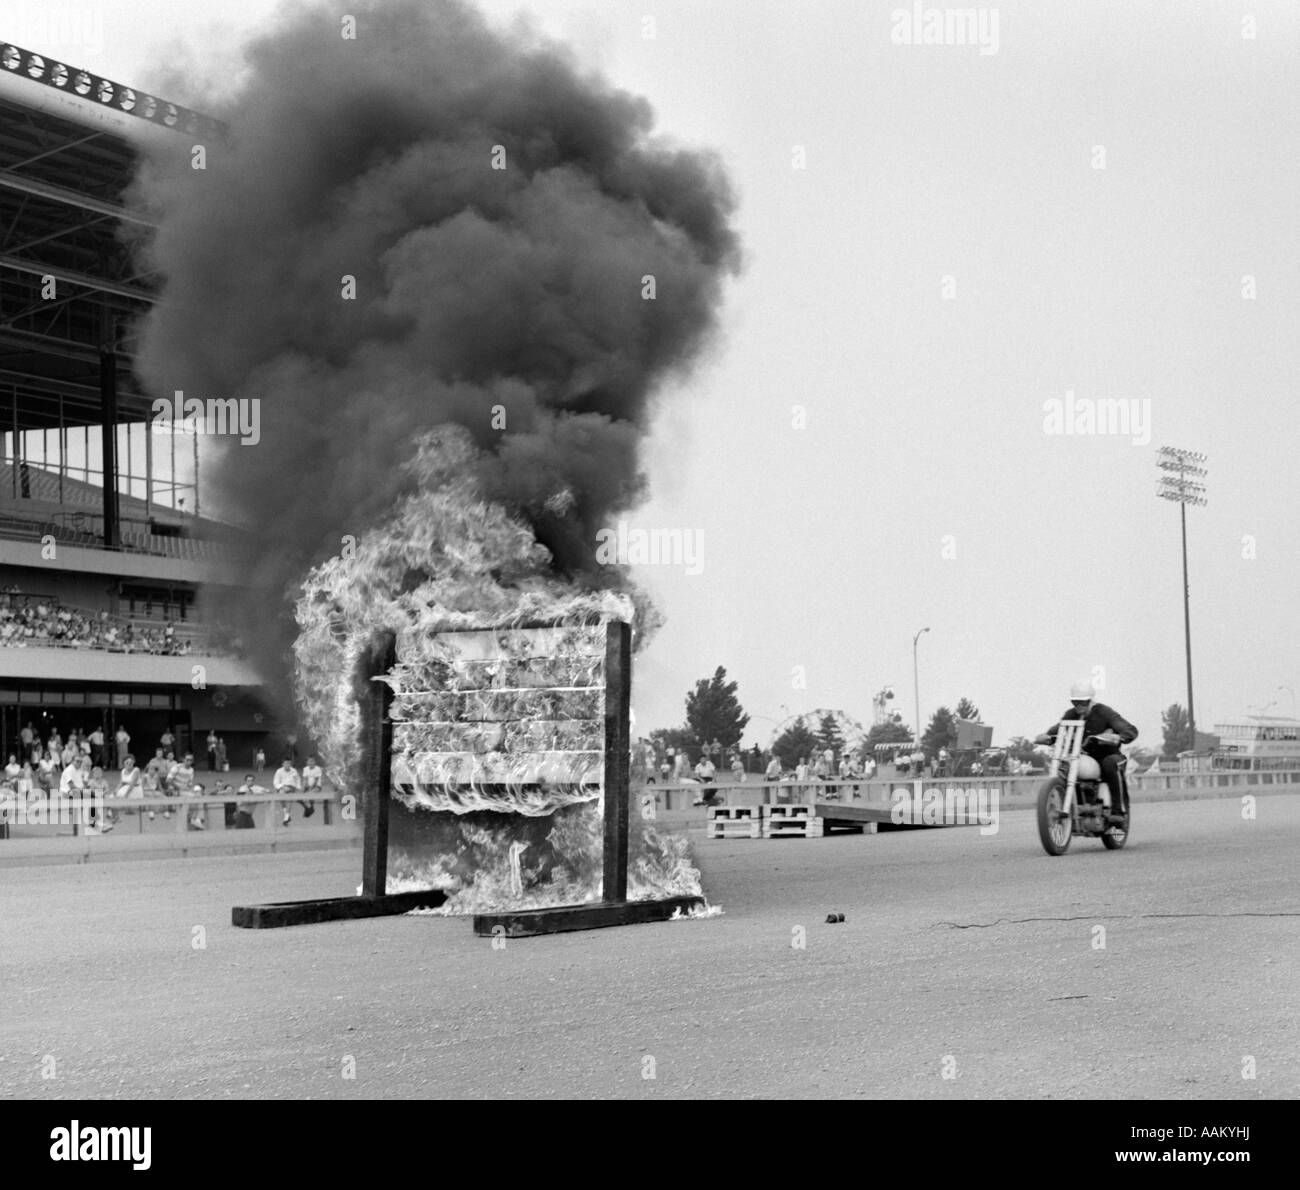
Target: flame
x=498 y=735
x=476 y=863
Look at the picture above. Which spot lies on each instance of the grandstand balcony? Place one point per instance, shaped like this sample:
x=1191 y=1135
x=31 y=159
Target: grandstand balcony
x=83 y=664
x=46 y=507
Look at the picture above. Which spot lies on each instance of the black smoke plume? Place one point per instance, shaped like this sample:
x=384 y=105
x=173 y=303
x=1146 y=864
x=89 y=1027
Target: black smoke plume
x=482 y=293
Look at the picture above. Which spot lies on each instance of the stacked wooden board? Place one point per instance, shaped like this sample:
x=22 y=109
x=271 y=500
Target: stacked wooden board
x=792 y=821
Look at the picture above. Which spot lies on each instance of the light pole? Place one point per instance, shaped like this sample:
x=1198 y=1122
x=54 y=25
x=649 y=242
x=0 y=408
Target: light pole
x=916 y=685
x=1182 y=485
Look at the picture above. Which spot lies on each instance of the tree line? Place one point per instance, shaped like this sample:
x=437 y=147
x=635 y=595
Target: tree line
x=716 y=722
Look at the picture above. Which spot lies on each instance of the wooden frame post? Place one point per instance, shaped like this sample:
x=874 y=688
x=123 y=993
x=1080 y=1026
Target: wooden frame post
x=618 y=703
x=376 y=698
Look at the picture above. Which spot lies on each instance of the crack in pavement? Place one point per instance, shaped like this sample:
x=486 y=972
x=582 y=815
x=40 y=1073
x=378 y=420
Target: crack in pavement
x=1016 y=921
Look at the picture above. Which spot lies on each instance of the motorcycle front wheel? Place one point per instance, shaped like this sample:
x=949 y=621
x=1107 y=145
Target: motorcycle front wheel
x=1055 y=827
x=1116 y=836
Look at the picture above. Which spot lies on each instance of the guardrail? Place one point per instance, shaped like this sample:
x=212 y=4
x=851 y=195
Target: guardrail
x=682 y=795
x=187 y=807
x=337 y=812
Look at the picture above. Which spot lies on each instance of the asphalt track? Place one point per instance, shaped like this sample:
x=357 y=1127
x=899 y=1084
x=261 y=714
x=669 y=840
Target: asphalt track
x=967 y=967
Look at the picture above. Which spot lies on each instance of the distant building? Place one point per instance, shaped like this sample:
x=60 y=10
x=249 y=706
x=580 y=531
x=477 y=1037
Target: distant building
x=1257 y=742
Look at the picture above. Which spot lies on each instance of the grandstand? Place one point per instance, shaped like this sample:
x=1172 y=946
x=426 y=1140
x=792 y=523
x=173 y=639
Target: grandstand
x=103 y=552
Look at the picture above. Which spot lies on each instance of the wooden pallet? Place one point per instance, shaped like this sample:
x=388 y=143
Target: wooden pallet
x=735 y=828
x=735 y=822
x=789 y=810
x=792 y=822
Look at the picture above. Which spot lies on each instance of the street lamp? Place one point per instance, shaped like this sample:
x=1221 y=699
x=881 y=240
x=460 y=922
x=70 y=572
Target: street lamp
x=1182 y=485
x=916 y=685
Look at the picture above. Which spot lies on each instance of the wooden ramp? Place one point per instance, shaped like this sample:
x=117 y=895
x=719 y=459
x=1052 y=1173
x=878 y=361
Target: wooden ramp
x=847 y=817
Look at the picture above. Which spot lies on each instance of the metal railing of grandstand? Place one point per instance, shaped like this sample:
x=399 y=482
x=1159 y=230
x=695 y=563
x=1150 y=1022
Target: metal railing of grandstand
x=72 y=528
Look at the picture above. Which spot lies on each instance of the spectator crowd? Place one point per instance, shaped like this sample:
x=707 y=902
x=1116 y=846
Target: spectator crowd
x=84 y=763
x=39 y=621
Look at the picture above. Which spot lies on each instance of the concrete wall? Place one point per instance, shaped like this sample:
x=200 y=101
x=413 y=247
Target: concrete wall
x=132 y=669
x=113 y=562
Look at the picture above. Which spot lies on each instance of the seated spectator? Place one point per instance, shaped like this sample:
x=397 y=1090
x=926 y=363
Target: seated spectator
x=312 y=778
x=197 y=821
x=243 y=817
x=151 y=786
x=130 y=783
x=180 y=776
x=72 y=784
x=286 y=780
x=231 y=808
x=97 y=788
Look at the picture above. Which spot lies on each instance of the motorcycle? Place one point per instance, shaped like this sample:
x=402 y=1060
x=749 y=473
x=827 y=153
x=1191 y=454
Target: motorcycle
x=1075 y=800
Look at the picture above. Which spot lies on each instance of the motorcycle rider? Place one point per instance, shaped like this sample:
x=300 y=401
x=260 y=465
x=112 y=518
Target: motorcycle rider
x=1098 y=719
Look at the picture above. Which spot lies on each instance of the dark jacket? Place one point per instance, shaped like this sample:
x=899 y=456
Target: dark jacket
x=1100 y=718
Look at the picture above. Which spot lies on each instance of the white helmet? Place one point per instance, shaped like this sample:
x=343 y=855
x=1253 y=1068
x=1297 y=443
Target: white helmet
x=1082 y=690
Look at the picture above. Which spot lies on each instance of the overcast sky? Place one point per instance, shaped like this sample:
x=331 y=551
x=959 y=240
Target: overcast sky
x=864 y=453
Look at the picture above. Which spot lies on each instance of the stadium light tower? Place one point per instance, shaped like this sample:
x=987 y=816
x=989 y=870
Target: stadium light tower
x=1181 y=483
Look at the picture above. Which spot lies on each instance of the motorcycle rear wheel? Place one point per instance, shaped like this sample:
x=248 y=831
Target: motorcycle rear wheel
x=1055 y=829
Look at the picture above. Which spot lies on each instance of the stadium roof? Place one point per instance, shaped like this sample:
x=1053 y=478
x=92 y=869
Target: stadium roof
x=68 y=146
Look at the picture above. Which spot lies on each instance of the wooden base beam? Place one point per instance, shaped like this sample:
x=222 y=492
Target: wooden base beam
x=527 y=923
x=305 y=913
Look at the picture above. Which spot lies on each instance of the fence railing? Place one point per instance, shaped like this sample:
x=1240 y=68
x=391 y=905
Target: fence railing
x=758 y=791
x=336 y=810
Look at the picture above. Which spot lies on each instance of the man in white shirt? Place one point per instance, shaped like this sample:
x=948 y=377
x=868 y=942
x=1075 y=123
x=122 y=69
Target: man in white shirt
x=74 y=776
x=72 y=786
x=706 y=773
x=286 y=780
x=312 y=779
x=180 y=783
